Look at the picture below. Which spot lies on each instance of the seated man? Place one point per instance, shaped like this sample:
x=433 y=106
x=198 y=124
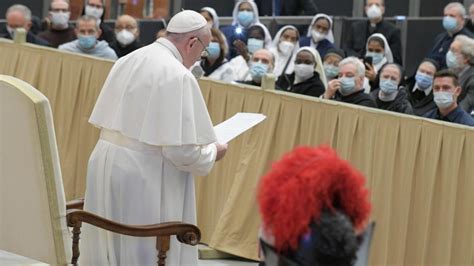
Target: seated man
x=262 y=62
x=19 y=16
x=349 y=87
x=87 y=32
x=60 y=31
x=389 y=95
x=446 y=91
x=336 y=208
x=126 y=36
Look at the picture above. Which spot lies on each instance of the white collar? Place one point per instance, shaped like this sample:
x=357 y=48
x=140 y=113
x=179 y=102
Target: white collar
x=427 y=91
x=170 y=46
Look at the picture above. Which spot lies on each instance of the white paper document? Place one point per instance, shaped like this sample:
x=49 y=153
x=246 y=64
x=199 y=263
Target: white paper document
x=236 y=125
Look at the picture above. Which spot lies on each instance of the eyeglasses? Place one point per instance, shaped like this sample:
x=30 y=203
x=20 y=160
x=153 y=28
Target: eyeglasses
x=205 y=52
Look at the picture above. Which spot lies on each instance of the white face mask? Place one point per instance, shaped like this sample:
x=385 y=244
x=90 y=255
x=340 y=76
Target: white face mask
x=94 y=11
x=443 y=99
x=304 y=71
x=60 y=19
x=125 y=37
x=374 y=12
x=317 y=36
x=286 y=47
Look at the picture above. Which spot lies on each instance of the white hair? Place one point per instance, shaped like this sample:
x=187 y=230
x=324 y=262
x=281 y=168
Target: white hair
x=467 y=47
x=351 y=60
x=461 y=9
x=21 y=8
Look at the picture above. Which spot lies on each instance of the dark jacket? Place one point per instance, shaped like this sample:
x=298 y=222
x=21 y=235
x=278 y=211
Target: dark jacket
x=420 y=102
x=30 y=38
x=122 y=51
x=323 y=46
x=399 y=105
x=58 y=37
x=297 y=8
x=108 y=34
x=466 y=99
x=469 y=26
x=361 y=31
x=312 y=87
x=358 y=98
x=249 y=82
x=441 y=46
x=458 y=116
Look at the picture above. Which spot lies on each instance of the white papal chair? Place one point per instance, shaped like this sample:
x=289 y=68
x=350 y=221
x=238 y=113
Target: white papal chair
x=34 y=216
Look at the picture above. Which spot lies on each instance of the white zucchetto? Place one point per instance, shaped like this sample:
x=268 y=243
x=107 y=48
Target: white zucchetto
x=186 y=21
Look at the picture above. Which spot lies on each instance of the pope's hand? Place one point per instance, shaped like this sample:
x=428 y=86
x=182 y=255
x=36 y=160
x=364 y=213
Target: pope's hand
x=221 y=150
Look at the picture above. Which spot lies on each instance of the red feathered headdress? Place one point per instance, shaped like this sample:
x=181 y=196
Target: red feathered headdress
x=304 y=183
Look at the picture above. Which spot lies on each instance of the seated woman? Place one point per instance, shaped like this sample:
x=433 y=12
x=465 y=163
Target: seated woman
x=331 y=62
x=378 y=54
x=210 y=15
x=245 y=15
x=215 y=65
x=319 y=35
x=419 y=88
x=336 y=208
x=305 y=79
x=284 y=47
x=389 y=95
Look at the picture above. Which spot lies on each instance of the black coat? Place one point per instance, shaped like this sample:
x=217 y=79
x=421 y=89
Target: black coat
x=420 y=102
x=312 y=87
x=30 y=38
x=399 y=105
x=441 y=46
x=357 y=98
x=122 y=51
x=360 y=32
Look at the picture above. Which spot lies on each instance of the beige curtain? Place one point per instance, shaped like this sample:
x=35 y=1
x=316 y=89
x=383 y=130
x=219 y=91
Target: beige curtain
x=420 y=172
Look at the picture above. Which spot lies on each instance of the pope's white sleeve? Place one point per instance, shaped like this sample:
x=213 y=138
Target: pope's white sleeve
x=198 y=160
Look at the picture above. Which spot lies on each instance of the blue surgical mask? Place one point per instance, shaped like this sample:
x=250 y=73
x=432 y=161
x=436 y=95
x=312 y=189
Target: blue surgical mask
x=258 y=70
x=449 y=23
x=331 y=71
x=388 y=86
x=254 y=45
x=376 y=57
x=347 y=85
x=214 y=50
x=245 y=18
x=452 y=60
x=443 y=99
x=423 y=80
x=87 y=41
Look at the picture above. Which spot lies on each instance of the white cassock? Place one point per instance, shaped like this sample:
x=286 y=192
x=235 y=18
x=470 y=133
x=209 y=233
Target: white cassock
x=156 y=134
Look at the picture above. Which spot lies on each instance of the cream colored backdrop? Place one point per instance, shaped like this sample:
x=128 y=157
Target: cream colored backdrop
x=420 y=172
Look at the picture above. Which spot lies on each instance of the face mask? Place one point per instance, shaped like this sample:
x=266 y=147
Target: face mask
x=94 y=11
x=331 y=71
x=452 y=60
x=376 y=57
x=60 y=19
x=317 y=36
x=245 y=18
x=388 y=86
x=286 y=47
x=257 y=70
x=443 y=99
x=423 y=80
x=449 y=23
x=87 y=41
x=304 y=71
x=347 y=85
x=214 y=50
x=254 y=45
x=125 y=37
x=374 y=12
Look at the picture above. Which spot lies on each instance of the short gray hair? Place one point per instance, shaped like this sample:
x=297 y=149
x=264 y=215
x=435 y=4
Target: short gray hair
x=87 y=18
x=467 y=47
x=351 y=60
x=21 y=8
x=461 y=9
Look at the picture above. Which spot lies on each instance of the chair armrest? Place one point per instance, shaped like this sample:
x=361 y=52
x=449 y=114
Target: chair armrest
x=75 y=204
x=185 y=233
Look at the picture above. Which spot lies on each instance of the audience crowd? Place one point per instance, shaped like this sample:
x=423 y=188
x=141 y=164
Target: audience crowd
x=366 y=70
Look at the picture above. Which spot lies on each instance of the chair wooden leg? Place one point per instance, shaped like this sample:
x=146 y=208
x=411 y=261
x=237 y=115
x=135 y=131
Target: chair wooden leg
x=162 y=246
x=76 y=232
